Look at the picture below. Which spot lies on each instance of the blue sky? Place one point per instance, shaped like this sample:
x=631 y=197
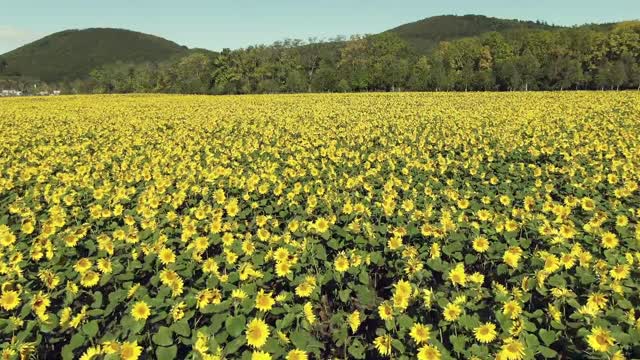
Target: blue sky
x=239 y=23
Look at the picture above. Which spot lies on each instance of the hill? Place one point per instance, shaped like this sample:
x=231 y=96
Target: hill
x=425 y=34
x=72 y=54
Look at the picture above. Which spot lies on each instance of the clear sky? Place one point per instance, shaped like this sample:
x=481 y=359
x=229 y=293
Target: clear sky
x=239 y=23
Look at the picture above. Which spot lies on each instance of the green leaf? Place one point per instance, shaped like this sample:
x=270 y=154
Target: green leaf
x=90 y=328
x=321 y=253
x=364 y=277
x=397 y=344
x=548 y=337
x=216 y=322
x=273 y=347
x=300 y=339
x=166 y=353
x=77 y=340
x=547 y=352
x=625 y=304
x=234 y=345
x=356 y=349
x=164 y=336
x=181 y=328
x=344 y=295
x=235 y=325
x=97 y=296
x=459 y=343
x=334 y=244
x=365 y=295
x=469 y=322
x=286 y=321
x=376 y=258
x=405 y=321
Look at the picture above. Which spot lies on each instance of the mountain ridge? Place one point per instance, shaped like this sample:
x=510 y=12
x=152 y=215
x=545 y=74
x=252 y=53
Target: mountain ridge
x=71 y=54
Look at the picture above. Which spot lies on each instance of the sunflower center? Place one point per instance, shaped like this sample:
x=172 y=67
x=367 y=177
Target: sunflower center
x=513 y=348
x=602 y=339
x=256 y=333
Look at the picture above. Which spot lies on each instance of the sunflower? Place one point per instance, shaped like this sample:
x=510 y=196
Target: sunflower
x=90 y=279
x=429 y=352
x=257 y=333
x=308 y=313
x=394 y=243
x=40 y=303
x=110 y=347
x=512 y=309
x=10 y=300
x=512 y=349
x=82 y=265
x=385 y=310
x=588 y=204
x=297 y=355
x=420 y=333
x=177 y=311
x=354 y=320
x=7 y=238
x=480 y=244
x=167 y=277
x=600 y=339
x=130 y=351
x=140 y=311
x=260 y=355
x=620 y=272
x=485 y=333
x=91 y=352
x=283 y=268
x=434 y=251
x=609 y=240
x=232 y=207
x=167 y=256
x=341 y=263
x=402 y=288
x=321 y=225
x=304 y=289
x=457 y=275
x=382 y=343
x=512 y=256
x=484 y=214
x=264 y=301
x=452 y=312
x=104 y=266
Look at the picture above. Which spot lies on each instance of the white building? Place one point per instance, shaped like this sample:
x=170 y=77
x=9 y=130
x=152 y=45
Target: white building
x=11 y=92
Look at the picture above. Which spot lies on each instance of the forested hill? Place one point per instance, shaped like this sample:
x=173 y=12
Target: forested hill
x=72 y=54
x=423 y=35
x=444 y=53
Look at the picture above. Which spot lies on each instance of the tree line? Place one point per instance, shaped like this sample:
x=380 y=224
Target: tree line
x=525 y=59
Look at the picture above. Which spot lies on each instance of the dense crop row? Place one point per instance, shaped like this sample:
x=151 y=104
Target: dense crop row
x=321 y=226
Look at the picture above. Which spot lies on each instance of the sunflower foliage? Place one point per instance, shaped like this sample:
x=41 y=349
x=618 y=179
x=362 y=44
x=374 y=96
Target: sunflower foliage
x=351 y=226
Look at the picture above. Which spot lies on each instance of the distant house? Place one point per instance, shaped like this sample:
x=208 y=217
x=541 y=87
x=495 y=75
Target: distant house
x=11 y=92
x=55 y=92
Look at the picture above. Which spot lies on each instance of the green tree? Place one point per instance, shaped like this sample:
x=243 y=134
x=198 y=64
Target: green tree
x=420 y=74
x=508 y=74
x=194 y=73
x=528 y=69
x=325 y=78
x=617 y=75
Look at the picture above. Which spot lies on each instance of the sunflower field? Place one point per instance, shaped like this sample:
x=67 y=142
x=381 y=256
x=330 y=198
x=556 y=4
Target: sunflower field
x=345 y=226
